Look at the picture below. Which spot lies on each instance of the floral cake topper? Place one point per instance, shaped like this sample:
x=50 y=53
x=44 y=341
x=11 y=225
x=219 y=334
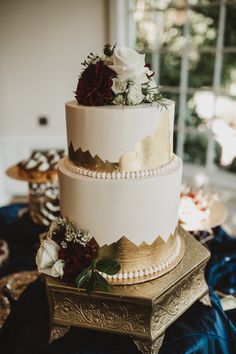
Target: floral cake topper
x=117 y=77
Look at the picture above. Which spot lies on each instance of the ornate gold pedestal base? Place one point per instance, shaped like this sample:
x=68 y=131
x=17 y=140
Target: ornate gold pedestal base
x=142 y=311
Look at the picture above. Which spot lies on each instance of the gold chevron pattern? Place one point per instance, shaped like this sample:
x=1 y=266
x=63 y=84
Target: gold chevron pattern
x=143 y=256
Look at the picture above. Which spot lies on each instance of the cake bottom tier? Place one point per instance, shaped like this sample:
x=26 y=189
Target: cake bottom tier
x=133 y=220
x=141 y=209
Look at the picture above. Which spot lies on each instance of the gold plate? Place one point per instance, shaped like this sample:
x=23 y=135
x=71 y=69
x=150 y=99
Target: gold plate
x=14 y=172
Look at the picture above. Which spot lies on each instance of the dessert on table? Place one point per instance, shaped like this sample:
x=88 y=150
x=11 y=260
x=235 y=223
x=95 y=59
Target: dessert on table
x=40 y=171
x=200 y=209
x=41 y=166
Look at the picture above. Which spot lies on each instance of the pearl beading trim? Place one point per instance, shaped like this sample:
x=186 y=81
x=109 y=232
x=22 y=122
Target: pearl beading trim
x=147 y=271
x=121 y=175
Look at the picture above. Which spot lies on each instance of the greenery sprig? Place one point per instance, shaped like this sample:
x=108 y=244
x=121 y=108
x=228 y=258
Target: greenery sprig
x=71 y=232
x=91 y=279
x=109 y=49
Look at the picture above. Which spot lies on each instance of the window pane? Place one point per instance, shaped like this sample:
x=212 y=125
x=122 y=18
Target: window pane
x=193 y=116
x=147 y=30
x=228 y=74
x=156 y=4
x=205 y=103
x=199 y=2
x=202 y=44
x=203 y=26
x=201 y=69
x=170 y=69
x=230 y=28
x=224 y=129
x=173 y=24
x=161 y=34
x=195 y=148
x=155 y=29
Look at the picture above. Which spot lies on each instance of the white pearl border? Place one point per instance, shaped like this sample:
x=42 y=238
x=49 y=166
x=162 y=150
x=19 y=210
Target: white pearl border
x=121 y=175
x=147 y=271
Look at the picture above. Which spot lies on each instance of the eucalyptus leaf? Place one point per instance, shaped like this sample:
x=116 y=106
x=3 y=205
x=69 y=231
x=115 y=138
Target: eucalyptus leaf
x=90 y=286
x=108 y=266
x=82 y=277
x=101 y=283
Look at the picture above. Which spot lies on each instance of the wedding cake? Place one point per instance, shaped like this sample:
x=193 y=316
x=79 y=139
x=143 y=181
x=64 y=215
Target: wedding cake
x=121 y=181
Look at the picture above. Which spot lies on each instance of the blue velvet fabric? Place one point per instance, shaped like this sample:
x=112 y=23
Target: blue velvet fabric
x=8 y=214
x=22 y=236
x=221 y=270
x=201 y=329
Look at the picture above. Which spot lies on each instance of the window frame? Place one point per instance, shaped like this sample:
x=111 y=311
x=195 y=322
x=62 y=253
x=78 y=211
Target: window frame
x=124 y=33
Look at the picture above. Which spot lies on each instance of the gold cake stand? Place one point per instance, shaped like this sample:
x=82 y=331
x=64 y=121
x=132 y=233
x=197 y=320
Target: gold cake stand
x=143 y=311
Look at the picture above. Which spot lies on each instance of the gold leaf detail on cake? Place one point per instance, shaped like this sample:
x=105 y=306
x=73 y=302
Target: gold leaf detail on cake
x=151 y=152
x=85 y=159
x=143 y=255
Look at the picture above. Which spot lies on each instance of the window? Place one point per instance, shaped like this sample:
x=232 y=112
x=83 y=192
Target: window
x=191 y=46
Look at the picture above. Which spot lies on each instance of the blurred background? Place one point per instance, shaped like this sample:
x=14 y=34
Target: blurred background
x=191 y=46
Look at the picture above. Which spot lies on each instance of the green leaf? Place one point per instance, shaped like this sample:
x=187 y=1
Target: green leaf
x=83 y=277
x=108 y=266
x=101 y=283
x=90 y=280
x=93 y=263
x=90 y=286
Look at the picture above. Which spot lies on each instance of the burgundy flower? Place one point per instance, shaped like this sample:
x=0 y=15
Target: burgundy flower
x=77 y=257
x=149 y=67
x=94 y=86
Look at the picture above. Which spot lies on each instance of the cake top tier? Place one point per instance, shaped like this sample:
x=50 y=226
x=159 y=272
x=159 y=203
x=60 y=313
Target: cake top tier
x=118 y=76
x=112 y=138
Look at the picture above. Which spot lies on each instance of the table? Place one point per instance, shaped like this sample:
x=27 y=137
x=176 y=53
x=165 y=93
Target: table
x=200 y=330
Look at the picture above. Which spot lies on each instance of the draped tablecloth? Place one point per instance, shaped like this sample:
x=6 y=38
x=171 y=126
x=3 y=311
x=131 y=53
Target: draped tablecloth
x=200 y=330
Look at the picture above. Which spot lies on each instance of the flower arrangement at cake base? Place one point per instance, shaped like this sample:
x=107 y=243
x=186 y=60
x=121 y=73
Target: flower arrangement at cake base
x=70 y=253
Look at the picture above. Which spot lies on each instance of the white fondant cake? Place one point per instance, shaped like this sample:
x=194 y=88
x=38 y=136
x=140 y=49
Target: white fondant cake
x=136 y=138
x=121 y=180
x=139 y=208
x=124 y=182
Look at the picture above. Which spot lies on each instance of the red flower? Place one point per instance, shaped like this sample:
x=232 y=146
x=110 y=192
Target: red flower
x=149 y=67
x=94 y=86
x=77 y=258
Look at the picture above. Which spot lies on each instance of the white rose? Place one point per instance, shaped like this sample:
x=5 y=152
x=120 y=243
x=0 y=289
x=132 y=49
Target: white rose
x=129 y=65
x=119 y=99
x=118 y=86
x=57 y=269
x=47 y=254
x=135 y=95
